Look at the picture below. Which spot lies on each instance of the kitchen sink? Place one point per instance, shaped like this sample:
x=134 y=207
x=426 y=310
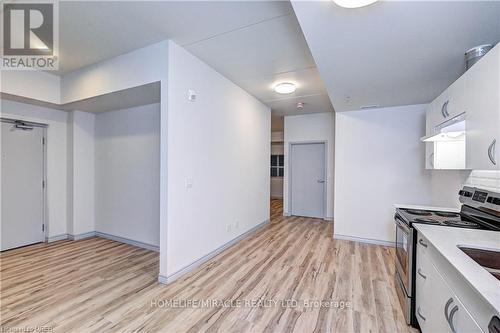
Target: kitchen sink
x=488 y=259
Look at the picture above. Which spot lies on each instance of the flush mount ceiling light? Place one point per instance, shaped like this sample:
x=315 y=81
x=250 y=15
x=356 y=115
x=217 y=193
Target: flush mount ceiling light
x=285 y=88
x=354 y=3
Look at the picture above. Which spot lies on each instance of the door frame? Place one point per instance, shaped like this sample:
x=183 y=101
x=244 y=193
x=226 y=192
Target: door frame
x=289 y=172
x=45 y=220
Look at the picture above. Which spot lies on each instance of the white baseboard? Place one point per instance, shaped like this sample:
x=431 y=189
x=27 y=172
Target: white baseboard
x=128 y=241
x=57 y=238
x=171 y=278
x=82 y=236
x=103 y=235
x=364 y=240
x=328 y=218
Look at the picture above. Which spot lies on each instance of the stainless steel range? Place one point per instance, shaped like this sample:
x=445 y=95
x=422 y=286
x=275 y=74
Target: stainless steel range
x=480 y=210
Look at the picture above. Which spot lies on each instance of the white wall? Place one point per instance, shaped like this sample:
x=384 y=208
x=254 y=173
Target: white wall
x=444 y=187
x=56 y=157
x=37 y=85
x=220 y=144
x=128 y=173
x=379 y=161
x=311 y=127
x=145 y=65
x=81 y=174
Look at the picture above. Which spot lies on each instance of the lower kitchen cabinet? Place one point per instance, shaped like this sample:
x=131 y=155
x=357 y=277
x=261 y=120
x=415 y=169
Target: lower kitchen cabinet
x=438 y=309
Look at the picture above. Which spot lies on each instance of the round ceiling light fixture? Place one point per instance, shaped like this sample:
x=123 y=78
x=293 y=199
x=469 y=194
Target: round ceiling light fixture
x=285 y=88
x=354 y=3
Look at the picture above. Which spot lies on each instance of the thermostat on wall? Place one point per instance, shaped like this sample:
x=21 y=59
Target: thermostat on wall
x=191 y=95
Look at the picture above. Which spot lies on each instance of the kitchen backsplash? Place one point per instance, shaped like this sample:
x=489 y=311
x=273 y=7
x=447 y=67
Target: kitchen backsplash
x=486 y=179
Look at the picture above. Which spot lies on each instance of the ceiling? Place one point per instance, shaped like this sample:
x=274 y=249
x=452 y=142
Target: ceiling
x=253 y=43
x=394 y=52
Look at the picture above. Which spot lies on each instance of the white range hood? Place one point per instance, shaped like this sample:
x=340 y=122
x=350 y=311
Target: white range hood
x=451 y=130
x=448 y=140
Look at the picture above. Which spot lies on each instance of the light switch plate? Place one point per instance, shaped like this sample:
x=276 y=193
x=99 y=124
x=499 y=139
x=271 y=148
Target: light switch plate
x=191 y=95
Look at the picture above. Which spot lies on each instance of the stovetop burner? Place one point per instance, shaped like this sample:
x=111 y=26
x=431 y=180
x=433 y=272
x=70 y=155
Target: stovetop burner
x=451 y=219
x=461 y=223
x=418 y=212
x=426 y=221
x=447 y=214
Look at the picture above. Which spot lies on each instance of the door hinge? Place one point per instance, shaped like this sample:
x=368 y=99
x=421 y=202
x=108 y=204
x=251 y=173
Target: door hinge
x=43 y=141
x=43 y=183
x=43 y=227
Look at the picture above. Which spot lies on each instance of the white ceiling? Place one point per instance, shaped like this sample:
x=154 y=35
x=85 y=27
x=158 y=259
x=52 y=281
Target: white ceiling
x=253 y=43
x=394 y=52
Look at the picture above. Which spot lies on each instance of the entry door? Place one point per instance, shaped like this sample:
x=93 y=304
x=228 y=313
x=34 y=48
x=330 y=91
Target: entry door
x=307 y=179
x=22 y=189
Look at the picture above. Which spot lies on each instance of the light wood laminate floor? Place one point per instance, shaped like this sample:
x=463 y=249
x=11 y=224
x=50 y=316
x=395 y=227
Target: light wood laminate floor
x=98 y=285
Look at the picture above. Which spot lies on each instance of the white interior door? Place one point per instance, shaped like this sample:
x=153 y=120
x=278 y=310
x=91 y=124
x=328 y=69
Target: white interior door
x=307 y=179
x=22 y=172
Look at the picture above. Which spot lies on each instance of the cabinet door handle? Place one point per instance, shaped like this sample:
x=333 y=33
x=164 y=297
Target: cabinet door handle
x=431 y=160
x=419 y=271
x=420 y=314
x=491 y=151
x=446 y=307
x=421 y=242
x=444 y=109
x=450 y=319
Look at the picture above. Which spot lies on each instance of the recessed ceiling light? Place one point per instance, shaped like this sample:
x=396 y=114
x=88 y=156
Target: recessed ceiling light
x=354 y=3
x=285 y=88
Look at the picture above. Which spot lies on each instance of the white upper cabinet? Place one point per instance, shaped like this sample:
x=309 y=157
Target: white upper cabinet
x=483 y=112
x=477 y=95
x=456 y=98
x=429 y=146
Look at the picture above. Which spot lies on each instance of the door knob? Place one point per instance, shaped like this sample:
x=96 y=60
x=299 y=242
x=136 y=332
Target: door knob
x=321 y=181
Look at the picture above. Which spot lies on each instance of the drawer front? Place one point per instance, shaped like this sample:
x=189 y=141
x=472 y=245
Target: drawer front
x=437 y=308
x=422 y=245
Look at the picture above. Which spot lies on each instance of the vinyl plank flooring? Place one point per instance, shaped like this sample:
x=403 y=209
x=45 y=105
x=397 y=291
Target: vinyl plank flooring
x=98 y=285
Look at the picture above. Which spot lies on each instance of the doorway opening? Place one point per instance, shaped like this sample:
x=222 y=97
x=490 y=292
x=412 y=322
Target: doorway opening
x=277 y=166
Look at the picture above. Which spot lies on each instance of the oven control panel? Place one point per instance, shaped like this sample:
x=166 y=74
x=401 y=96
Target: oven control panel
x=480 y=198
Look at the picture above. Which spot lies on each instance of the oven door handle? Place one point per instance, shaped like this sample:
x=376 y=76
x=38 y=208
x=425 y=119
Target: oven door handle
x=402 y=224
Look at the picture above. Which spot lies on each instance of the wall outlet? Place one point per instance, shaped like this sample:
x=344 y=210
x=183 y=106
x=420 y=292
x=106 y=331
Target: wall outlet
x=236 y=224
x=228 y=227
x=189 y=182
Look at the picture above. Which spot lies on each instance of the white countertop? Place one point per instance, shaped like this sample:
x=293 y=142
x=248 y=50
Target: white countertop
x=447 y=239
x=440 y=209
